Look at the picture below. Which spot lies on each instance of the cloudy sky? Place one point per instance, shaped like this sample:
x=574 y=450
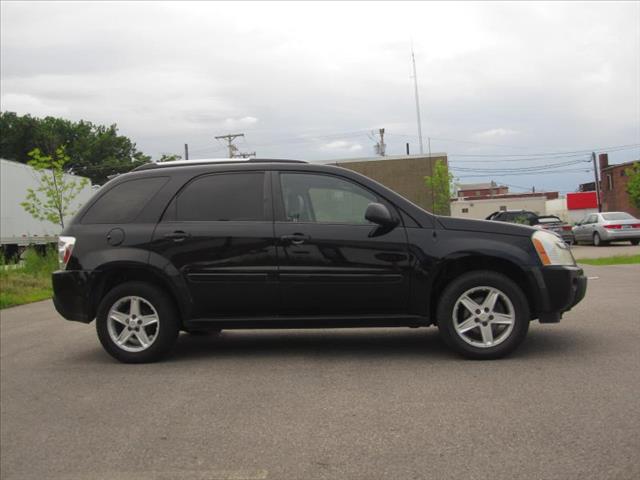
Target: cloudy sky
x=499 y=83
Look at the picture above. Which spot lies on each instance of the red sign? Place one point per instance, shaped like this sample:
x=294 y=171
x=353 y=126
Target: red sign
x=580 y=200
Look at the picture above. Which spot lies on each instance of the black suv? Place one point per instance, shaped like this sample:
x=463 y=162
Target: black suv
x=205 y=246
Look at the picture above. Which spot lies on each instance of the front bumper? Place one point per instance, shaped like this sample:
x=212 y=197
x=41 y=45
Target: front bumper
x=72 y=294
x=561 y=288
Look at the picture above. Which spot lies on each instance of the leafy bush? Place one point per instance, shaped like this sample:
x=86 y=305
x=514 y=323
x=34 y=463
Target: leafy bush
x=30 y=281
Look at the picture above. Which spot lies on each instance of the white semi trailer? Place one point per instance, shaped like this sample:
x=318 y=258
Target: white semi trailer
x=18 y=228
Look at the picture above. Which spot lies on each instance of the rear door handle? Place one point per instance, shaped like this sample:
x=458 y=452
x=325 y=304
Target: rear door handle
x=177 y=236
x=295 y=239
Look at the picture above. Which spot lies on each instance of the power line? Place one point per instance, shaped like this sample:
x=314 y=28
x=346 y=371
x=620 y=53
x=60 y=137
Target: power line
x=522 y=169
x=516 y=174
x=587 y=151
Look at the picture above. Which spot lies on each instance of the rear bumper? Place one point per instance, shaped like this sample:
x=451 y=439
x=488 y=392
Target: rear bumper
x=611 y=235
x=561 y=288
x=72 y=294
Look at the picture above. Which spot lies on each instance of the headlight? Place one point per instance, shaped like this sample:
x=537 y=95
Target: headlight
x=551 y=249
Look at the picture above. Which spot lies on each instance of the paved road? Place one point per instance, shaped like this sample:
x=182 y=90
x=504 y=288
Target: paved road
x=359 y=404
x=620 y=248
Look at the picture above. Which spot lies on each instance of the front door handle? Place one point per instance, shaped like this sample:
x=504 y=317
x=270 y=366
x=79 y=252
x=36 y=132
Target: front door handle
x=177 y=236
x=295 y=239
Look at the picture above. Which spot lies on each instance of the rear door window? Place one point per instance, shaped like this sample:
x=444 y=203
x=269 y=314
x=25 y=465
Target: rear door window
x=221 y=197
x=124 y=202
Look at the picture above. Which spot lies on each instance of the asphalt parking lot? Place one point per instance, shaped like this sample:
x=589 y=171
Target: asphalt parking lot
x=618 y=248
x=337 y=404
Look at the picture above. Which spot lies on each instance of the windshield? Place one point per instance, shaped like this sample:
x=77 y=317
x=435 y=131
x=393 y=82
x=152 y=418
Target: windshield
x=617 y=216
x=549 y=220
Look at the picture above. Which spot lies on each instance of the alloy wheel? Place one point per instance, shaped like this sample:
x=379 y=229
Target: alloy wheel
x=483 y=316
x=133 y=324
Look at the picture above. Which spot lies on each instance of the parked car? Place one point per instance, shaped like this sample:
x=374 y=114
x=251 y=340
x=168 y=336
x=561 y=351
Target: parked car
x=551 y=223
x=555 y=224
x=205 y=246
x=602 y=228
x=523 y=217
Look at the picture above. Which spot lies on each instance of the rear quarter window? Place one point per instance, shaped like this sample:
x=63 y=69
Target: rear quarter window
x=124 y=202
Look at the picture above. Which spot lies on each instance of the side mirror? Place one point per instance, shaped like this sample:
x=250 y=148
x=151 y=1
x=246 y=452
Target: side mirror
x=379 y=214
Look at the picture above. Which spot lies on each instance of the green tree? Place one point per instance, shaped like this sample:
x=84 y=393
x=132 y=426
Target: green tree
x=166 y=157
x=441 y=186
x=96 y=151
x=52 y=199
x=633 y=185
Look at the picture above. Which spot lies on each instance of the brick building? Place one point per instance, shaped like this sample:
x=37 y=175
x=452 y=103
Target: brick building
x=613 y=187
x=481 y=189
x=401 y=173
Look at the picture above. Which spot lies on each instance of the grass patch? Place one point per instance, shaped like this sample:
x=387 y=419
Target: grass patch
x=31 y=282
x=616 y=260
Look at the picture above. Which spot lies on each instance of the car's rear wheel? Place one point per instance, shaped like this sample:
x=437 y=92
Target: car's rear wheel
x=597 y=241
x=137 y=323
x=483 y=315
x=634 y=242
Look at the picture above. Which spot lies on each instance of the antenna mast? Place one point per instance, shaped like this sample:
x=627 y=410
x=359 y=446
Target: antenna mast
x=415 y=86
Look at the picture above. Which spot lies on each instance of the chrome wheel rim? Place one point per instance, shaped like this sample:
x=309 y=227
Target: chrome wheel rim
x=133 y=324
x=483 y=317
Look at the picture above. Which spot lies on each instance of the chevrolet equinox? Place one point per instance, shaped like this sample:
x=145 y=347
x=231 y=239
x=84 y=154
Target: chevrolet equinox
x=201 y=246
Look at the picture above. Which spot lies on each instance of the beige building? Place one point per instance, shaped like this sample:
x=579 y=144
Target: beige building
x=401 y=173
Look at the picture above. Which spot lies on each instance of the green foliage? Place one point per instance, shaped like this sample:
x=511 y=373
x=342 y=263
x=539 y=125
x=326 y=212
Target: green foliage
x=633 y=186
x=169 y=157
x=522 y=220
x=96 y=151
x=441 y=186
x=30 y=281
x=616 y=260
x=51 y=201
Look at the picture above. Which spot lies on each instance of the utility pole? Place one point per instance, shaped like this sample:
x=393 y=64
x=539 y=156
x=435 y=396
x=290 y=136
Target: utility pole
x=595 y=176
x=381 y=147
x=230 y=138
x=415 y=87
x=186 y=151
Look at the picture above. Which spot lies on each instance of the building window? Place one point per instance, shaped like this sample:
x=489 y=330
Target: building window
x=622 y=173
x=465 y=210
x=610 y=181
x=503 y=208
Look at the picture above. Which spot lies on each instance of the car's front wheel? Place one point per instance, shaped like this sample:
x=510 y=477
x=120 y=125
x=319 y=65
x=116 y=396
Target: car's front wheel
x=483 y=315
x=137 y=323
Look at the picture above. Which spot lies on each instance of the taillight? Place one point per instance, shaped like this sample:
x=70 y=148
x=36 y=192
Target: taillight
x=613 y=227
x=566 y=228
x=65 y=249
x=635 y=225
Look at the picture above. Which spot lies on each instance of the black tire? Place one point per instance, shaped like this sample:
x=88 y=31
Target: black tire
x=634 y=242
x=482 y=278
x=597 y=241
x=168 y=322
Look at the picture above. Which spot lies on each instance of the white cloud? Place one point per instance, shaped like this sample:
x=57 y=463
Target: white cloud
x=170 y=73
x=496 y=132
x=240 y=122
x=342 y=145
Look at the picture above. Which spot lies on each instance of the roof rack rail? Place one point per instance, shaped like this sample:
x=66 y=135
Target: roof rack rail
x=209 y=161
